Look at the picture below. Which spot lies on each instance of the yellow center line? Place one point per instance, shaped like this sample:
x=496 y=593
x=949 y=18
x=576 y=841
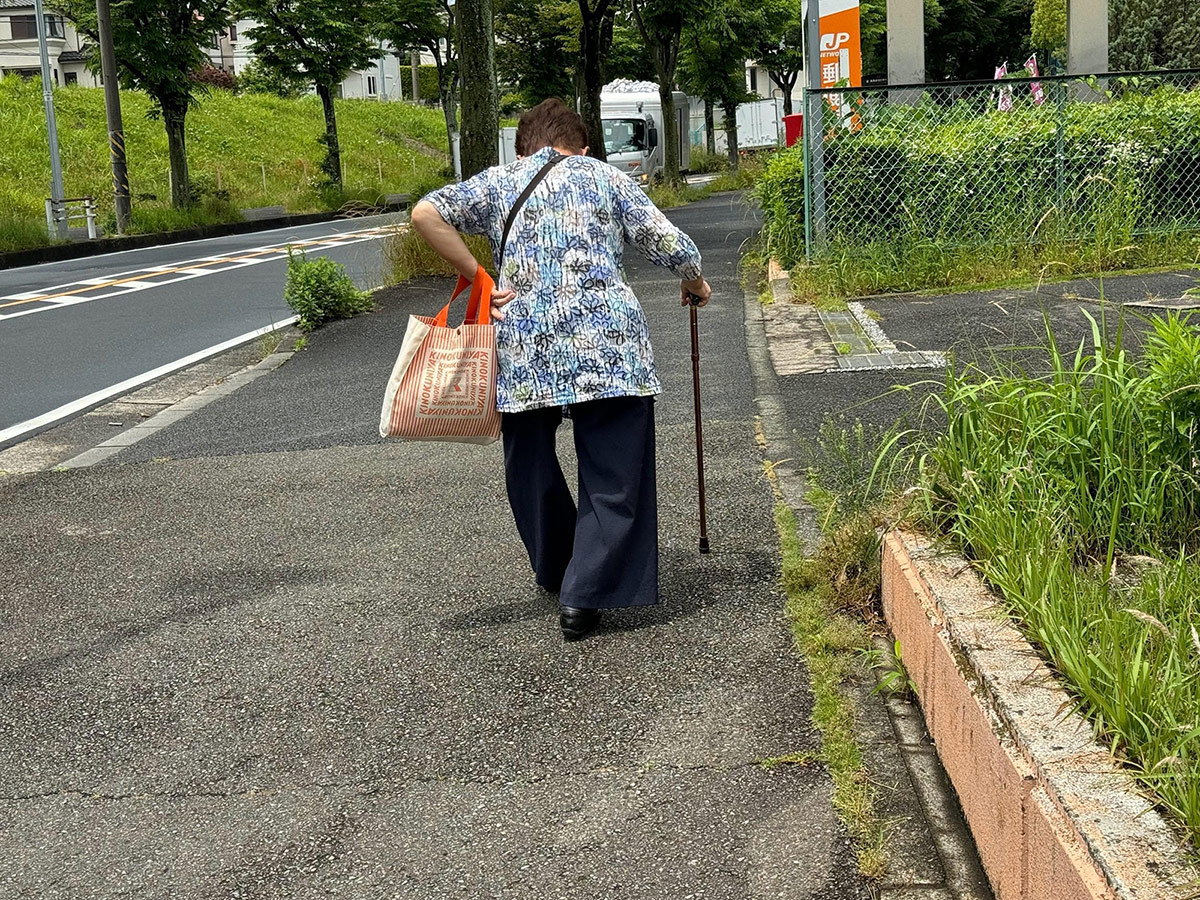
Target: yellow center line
x=197 y=265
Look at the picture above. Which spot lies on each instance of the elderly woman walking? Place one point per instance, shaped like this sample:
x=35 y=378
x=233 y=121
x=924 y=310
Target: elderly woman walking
x=571 y=335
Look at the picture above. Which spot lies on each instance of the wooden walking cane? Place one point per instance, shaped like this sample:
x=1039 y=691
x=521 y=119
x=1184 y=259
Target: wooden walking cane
x=693 y=303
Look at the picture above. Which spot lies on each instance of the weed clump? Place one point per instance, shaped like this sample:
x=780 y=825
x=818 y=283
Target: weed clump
x=406 y=255
x=320 y=290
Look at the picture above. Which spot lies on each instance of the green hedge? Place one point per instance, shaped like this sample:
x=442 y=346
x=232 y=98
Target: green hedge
x=961 y=175
x=427 y=83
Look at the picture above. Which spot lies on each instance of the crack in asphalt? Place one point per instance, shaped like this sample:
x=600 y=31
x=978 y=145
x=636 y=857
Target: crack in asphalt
x=373 y=787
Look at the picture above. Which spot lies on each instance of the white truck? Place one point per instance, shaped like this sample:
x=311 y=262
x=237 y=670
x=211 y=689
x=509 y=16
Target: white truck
x=633 y=130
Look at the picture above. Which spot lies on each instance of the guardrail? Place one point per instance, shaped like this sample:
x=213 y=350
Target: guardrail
x=60 y=214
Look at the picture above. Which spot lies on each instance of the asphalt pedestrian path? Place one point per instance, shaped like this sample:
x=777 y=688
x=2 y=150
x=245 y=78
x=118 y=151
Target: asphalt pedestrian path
x=262 y=654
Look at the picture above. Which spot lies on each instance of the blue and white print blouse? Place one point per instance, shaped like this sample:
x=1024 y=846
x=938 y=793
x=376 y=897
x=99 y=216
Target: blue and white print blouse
x=574 y=331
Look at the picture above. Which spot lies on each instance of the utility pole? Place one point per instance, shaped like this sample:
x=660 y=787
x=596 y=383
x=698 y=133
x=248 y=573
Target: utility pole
x=416 y=75
x=382 y=73
x=57 y=224
x=112 y=112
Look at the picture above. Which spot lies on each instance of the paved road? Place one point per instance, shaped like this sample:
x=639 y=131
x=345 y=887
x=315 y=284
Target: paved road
x=275 y=659
x=73 y=331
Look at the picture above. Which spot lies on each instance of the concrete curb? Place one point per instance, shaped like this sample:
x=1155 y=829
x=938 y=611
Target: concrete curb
x=175 y=412
x=931 y=799
x=1052 y=815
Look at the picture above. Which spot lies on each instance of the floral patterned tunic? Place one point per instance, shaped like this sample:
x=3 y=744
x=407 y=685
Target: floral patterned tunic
x=575 y=331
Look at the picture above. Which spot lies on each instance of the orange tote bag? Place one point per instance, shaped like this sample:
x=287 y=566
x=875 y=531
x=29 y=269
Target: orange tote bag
x=443 y=386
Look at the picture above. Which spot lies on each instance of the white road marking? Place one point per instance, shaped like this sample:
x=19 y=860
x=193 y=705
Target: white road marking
x=97 y=397
x=140 y=279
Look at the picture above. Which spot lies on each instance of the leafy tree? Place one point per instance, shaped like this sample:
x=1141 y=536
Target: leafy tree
x=780 y=48
x=628 y=56
x=321 y=40
x=427 y=25
x=872 y=26
x=533 y=39
x=1048 y=27
x=159 y=45
x=480 y=99
x=969 y=38
x=716 y=45
x=1149 y=34
x=661 y=25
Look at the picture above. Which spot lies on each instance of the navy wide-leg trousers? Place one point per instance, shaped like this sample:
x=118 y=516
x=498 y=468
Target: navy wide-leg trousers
x=605 y=553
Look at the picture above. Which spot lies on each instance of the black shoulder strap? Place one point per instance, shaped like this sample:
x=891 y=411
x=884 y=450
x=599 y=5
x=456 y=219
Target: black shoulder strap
x=555 y=159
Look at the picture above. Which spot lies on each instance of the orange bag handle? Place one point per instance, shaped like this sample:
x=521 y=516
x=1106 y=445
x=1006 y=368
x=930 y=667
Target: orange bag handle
x=479 y=307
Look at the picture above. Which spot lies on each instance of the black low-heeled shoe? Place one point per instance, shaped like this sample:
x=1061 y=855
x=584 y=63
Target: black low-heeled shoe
x=577 y=623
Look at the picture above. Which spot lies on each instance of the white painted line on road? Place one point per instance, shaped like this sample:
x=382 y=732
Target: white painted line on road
x=97 y=397
x=140 y=279
x=395 y=220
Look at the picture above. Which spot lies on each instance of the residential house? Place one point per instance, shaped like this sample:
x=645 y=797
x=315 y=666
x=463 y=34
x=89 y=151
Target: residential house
x=19 y=53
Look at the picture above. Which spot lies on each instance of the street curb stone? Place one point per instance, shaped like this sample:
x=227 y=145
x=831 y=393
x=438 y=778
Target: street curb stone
x=931 y=796
x=175 y=412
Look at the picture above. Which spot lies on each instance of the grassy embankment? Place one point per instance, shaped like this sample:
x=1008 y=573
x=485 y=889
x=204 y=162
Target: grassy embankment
x=244 y=151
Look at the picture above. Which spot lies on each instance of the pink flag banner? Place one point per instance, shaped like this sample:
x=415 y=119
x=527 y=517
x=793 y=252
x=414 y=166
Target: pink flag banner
x=1035 y=87
x=1005 y=101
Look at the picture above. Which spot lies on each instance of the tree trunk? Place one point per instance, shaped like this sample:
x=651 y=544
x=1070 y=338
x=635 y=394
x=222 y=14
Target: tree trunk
x=591 y=83
x=174 y=116
x=710 y=131
x=731 y=136
x=785 y=86
x=480 y=103
x=331 y=165
x=670 y=141
x=446 y=95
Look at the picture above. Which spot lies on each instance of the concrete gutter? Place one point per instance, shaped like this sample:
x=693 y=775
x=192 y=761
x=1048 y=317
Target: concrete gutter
x=79 y=250
x=1053 y=817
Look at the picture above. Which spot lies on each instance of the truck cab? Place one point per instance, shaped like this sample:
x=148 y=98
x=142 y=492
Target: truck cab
x=632 y=146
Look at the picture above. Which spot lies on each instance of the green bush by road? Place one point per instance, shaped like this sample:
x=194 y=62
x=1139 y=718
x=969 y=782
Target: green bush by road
x=235 y=143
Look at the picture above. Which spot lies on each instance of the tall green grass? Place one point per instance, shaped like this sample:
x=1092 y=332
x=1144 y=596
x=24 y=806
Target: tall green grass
x=244 y=151
x=1078 y=494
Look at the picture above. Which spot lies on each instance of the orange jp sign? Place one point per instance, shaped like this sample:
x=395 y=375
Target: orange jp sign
x=841 y=44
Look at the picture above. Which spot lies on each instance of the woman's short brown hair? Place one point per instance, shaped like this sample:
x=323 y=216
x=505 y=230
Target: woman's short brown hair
x=550 y=124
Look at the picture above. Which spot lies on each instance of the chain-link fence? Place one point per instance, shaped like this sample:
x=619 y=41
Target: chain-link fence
x=1022 y=160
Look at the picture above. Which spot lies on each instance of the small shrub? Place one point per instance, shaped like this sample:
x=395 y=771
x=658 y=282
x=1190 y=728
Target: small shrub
x=320 y=290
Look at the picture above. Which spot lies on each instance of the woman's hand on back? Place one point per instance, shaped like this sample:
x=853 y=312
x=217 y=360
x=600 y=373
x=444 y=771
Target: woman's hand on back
x=697 y=287
x=500 y=299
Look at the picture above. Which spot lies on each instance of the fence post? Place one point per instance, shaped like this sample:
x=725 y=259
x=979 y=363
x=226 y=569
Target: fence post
x=50 y=224
x=89 y=210
x=1060 y=127
x=814 y=173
